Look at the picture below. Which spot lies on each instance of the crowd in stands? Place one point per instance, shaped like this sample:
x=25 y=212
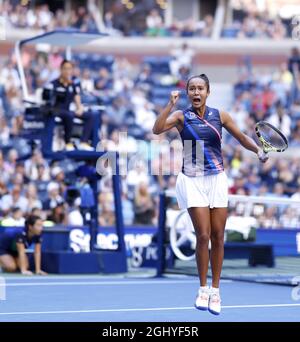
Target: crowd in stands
x=146 y=18
x=117 y=20
x=133 y=98
x=273 y=97
x=152 y=24
x=251 y=21
x=40 y=17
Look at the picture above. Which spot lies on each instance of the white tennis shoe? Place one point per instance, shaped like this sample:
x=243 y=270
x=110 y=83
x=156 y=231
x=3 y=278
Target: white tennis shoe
x=202 y=298
x=214 y=305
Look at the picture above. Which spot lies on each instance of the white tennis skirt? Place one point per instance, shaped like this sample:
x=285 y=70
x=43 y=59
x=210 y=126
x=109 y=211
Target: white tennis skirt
x=202 y=191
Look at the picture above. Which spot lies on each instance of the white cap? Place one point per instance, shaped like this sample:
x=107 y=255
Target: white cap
x=52 y=186
x=56 y=171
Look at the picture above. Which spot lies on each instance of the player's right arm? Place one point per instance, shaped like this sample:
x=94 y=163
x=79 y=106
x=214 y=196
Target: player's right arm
x=165 y=121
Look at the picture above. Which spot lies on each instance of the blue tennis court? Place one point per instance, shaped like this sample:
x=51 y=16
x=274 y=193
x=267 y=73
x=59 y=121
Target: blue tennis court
x=140 y=299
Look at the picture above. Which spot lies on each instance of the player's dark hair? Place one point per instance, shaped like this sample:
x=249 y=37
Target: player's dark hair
x=31 y=220
x=203 y=77
x=65 y=61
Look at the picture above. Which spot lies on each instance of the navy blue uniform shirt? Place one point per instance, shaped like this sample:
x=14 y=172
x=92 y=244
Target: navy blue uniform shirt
x=9 y=240
x=61 y=96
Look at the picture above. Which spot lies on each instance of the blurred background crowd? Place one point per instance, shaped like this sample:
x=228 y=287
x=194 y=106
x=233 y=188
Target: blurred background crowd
x=247 y=19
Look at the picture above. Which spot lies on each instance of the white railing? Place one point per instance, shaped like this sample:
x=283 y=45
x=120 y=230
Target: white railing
x=163 y=45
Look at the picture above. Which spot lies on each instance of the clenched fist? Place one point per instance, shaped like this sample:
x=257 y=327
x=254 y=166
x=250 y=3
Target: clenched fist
x=174 y=97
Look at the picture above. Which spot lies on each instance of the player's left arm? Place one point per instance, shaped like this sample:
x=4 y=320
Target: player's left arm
x=38 y=259
x=242 y=138
x=22 y=257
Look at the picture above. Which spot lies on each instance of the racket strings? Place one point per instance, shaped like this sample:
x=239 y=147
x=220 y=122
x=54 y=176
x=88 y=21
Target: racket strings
x=272 y=137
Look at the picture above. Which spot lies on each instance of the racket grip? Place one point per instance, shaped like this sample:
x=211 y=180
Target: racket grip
x=263 y=155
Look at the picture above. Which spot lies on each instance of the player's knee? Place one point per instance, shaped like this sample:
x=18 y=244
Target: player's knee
x=203 y=239
x=217 y=238
x=10 y=268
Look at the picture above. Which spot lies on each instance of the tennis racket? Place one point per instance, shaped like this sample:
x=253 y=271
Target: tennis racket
x=271 y=138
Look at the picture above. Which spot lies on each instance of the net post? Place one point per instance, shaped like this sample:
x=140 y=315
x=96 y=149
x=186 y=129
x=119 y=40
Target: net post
x=161 y=253
x=117 y=189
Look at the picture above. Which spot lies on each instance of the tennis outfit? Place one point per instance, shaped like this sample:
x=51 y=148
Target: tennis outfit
x=9 y=240
x=202 y=181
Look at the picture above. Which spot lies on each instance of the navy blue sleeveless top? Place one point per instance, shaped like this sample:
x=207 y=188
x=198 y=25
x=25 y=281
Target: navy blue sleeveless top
x=201 y=140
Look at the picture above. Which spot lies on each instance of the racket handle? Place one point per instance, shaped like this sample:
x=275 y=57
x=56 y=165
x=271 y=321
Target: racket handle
x=262 y=155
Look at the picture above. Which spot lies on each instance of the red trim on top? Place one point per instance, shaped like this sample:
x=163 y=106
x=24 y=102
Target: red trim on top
x=214 y=128
x=210 y=125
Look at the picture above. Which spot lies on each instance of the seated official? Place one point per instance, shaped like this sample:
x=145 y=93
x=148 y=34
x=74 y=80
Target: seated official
x=63 y=95
x=13 y=247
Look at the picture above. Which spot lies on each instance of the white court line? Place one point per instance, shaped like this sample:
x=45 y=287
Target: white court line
x=71 y=277
x=103 y=278
x=104 y=283
x=144 y=309
x=96 y=277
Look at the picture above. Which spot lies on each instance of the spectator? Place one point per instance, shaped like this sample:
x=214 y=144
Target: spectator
x=4 y=131
x=269 y=218
x=207 y=30
x=42 y=173
x=44 y=16
x=57 y=214
x=182 y=57
x=54 y=196
x=15 y=219
x=31 y=165
x=32 y=198
x=143 y=205
x=14 y=199
x=137 y=175
x=4 y=169
x=87 y=83
x=106 y=216
x=103 y=80
x=74 y=215
x=58 y=175
x=281 y=120
x=55 y=59
x=11 y=163
x=153 y=22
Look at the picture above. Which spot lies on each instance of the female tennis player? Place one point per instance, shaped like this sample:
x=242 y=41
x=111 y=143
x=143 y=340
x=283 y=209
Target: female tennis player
x=13 y=247
x=202 y=187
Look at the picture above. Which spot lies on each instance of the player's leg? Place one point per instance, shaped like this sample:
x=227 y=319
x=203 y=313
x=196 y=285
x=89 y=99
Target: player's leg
x=67 y=118
x=218 y=218
x=201 y=221
x=88 y=126
x=7 y=263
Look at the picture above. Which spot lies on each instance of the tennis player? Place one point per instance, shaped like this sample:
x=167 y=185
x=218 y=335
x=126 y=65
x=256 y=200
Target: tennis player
x=13 y=247
x=202 y=187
